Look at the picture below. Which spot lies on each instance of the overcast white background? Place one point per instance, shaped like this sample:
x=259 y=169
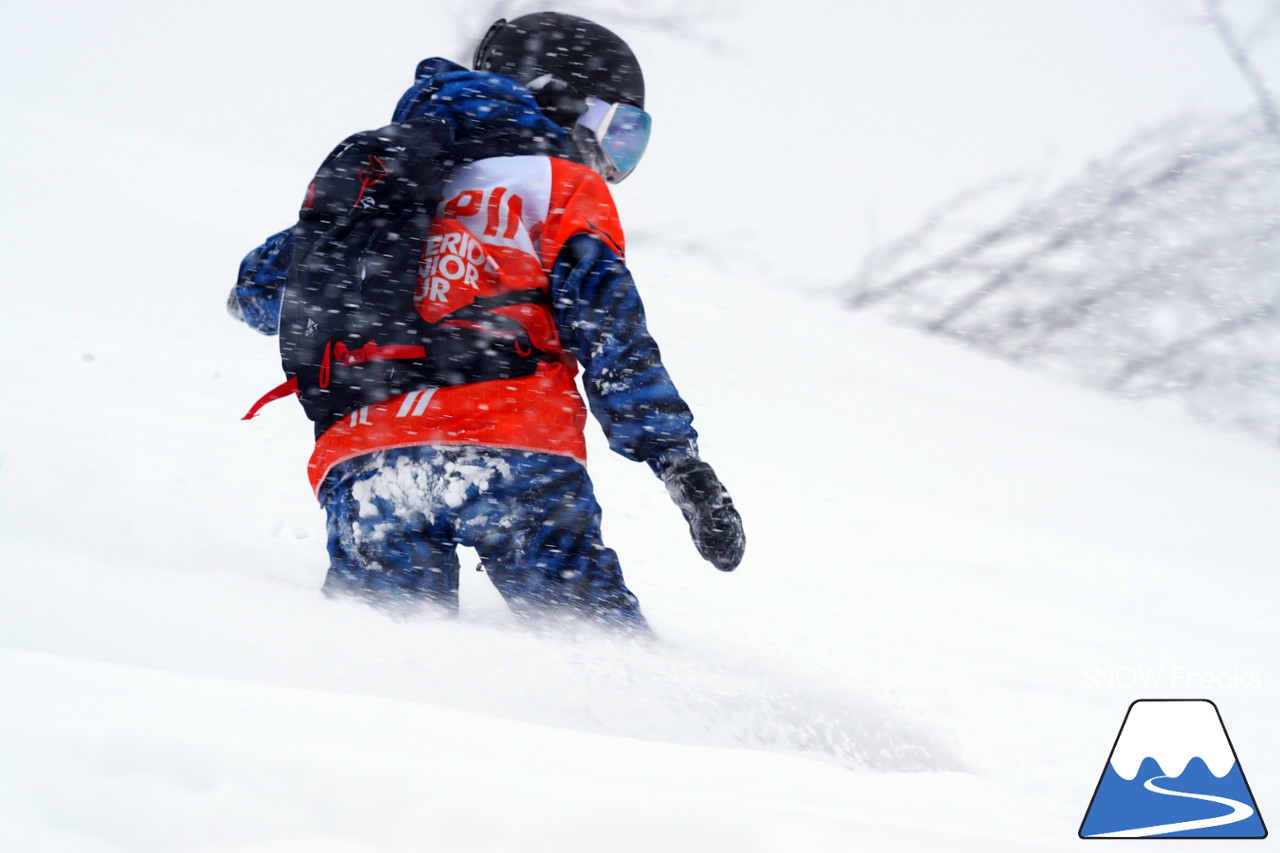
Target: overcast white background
x=837 y=122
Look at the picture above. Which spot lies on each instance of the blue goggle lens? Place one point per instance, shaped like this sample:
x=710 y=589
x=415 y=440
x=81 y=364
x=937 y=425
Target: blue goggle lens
x=625 y=137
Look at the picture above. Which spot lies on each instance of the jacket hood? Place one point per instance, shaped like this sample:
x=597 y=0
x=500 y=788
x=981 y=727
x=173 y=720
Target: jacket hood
x=492 y=114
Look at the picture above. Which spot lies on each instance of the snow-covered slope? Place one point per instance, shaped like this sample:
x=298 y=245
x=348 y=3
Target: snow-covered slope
x=958 y=576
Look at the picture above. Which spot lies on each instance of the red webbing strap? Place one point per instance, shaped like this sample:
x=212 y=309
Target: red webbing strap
x=373 y=352
x=284 y=389
x=369 y=352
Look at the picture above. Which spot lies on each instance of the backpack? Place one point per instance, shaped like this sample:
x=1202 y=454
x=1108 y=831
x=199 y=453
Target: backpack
x=350 y=333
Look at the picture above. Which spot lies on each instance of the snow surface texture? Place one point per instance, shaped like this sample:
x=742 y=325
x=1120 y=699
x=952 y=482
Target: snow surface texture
x=958 y=576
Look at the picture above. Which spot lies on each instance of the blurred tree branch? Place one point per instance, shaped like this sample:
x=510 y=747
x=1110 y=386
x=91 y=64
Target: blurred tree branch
x=1155 y=272
x=1239 y=54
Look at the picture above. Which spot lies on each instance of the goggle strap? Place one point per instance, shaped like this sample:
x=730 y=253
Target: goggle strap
x=483 y=47
x=597 y=115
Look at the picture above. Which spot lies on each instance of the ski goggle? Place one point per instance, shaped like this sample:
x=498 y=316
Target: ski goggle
x=621 y=131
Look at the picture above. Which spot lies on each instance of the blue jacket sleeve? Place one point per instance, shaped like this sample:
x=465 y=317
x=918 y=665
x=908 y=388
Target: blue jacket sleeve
x=259 y=288
x=601 y=320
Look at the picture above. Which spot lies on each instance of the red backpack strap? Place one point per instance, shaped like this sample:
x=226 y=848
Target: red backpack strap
x=284 y=389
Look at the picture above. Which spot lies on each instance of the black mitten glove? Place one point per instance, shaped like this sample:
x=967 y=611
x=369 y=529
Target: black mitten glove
x=714 y=523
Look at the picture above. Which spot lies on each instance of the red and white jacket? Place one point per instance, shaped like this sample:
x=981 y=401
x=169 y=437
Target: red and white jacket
x=500 y=227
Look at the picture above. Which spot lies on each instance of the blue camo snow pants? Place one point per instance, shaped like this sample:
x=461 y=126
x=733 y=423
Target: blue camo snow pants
x=396 y=518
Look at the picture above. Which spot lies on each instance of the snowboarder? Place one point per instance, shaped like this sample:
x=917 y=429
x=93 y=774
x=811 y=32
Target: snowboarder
x=553 y=110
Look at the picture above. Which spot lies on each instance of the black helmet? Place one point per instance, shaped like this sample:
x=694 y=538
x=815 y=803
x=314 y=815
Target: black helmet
x=585 y=79
x=582 y=56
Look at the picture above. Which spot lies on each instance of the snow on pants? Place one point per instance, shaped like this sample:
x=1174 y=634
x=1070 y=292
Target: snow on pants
x=396 y=518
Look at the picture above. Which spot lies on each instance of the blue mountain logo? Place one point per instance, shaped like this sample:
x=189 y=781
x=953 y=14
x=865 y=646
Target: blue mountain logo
x=1173 y=773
